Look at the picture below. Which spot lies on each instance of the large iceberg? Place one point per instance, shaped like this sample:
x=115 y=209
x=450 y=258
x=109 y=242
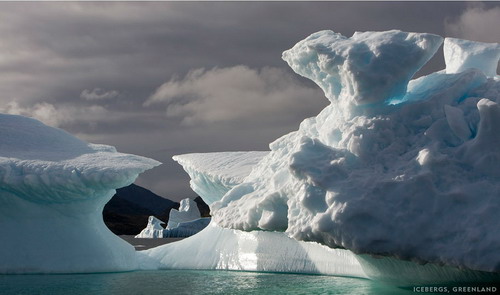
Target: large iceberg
x=53 y=188
x=394 y=170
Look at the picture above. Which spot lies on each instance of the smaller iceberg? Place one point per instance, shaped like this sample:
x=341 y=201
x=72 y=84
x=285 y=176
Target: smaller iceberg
x=186 y=221
x=188 y=211
x=153 y=230
x=182 y=223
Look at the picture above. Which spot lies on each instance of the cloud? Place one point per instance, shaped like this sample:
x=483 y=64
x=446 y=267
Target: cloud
x=98 y=94
x=237 y=93
x=476 y=23
x=55 y=116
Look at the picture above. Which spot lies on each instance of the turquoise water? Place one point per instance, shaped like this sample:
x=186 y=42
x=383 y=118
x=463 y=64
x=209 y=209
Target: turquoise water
x=190 y=282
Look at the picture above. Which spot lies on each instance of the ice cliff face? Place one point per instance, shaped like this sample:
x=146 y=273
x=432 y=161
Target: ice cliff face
x=214 y=174
x=53 y=188
x=393 y=166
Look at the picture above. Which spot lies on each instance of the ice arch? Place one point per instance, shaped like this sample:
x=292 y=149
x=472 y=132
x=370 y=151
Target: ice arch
x=53 y=188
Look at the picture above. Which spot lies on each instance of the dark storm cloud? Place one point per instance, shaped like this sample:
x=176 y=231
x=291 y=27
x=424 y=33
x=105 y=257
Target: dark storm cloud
x=238 y=94
x=90 y=67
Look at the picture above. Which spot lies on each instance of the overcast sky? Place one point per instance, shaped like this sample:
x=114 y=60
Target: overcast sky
x=164 y=78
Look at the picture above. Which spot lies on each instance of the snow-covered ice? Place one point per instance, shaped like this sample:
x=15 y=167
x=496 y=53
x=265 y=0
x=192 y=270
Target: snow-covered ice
x=153 y=229
x=368 y=67
x=399 y=168
x=53 y=188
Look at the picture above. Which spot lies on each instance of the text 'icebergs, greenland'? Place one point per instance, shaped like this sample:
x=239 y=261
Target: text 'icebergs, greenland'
x=53 y=188
x=399 y=168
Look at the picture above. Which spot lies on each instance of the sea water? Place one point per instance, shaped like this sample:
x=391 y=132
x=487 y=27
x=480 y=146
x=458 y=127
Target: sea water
x=190 y=282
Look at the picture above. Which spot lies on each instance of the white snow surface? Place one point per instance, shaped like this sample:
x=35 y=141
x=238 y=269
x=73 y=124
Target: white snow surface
x=408 y=170
x=53 y=188
x=188 y=211
x=366 y=68
x=463 y=54
x=153 y=229
x=214 y=174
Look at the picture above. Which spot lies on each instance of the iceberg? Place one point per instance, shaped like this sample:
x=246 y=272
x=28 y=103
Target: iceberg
x=398 y=175
x=53 y=188
x=153 y=229
x=186 y=221
x=182 y=223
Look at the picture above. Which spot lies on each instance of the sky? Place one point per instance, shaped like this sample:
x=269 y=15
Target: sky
x=159 y=79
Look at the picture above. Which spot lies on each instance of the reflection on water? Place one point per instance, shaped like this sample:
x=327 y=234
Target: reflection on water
x=190 y=282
